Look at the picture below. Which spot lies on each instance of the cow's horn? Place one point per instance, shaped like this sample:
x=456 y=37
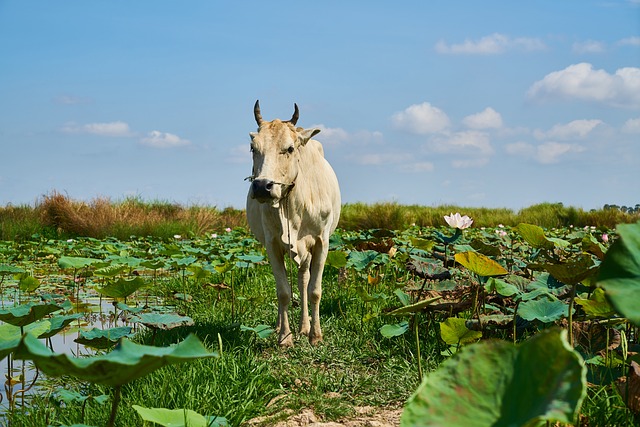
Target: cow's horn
x=296 y=115
x=256 y=113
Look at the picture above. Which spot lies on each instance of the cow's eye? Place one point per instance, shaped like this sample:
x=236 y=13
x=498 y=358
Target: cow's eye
x=290 y=149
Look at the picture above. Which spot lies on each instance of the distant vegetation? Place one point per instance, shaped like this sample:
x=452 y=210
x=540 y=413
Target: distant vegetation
x=57 y=215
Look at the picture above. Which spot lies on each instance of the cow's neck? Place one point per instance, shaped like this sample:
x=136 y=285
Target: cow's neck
x=287 y=215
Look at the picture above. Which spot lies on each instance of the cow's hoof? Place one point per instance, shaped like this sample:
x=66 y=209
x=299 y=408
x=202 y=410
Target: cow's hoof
x=305 y=329
x=285 y=341
x=315 y=339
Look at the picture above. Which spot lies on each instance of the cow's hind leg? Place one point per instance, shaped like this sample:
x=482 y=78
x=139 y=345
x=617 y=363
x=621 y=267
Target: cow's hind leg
x=303 y=283
x=315 y=288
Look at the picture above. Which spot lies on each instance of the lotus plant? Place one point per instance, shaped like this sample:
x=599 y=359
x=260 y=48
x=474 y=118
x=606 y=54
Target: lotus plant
x=458 y=221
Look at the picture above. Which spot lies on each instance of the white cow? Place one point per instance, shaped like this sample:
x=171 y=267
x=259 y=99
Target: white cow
x=293 y=206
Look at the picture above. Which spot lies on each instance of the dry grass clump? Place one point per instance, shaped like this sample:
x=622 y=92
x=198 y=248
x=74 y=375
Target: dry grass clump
x=101 y=217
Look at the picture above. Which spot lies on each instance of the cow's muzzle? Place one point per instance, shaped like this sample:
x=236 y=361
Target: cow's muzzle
x=261 y=190
x=266 y=190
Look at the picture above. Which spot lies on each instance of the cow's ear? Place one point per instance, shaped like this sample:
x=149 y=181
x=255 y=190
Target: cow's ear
x=253 y=135
x=306 y=134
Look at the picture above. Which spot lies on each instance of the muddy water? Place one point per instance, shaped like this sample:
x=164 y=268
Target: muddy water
x=98 y=313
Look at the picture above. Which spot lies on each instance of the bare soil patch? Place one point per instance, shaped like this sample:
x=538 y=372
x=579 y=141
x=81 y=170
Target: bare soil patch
x=365 y=416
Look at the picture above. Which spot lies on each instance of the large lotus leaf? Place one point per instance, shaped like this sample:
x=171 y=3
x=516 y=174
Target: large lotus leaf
x=28 y=283
x=361 y=259
x=75 y=262
x=501 y=287
x=58 y=323
x=121 y=288
x=573 y=271
x=414 y=308
x=485 y=248
x=336 y=259
x=24 y=314
x=262 y=331
x=10 y=335
x=153 y=264
x=127 y=362
x=543 y=309
x=596 y=305
x=164 y=321
x=534 y=236
x=103 y=338
x=498 y=384
x=9 y=269
x=620 y=272
x=110 y=270
x=480 y=264
x=454 y=331
x=178 y=417
x=390 y=331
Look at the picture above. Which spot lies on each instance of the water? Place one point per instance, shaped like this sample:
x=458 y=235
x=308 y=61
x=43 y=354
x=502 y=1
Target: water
x=97 y=313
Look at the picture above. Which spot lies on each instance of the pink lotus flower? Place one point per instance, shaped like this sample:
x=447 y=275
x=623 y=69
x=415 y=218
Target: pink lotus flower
x=458 y=221
x=605 y=237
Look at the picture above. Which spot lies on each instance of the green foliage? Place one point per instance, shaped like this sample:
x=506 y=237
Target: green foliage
x=495 y=383
x=178 y=417
x=501 y=287
x=620 y=272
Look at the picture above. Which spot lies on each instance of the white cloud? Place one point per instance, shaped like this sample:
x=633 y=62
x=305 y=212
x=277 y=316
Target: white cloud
x=546 y=153
x=583 y=82
x=469 y=163
x=630 y=41
x=490 y=45
x=159 y=139
x=372 y=159
x=112 y=129
x=486 y=119
x=550 y=152
x=421 y=119
x=335 y=136
x=589 y=46
x=470 y=143
x=520 y=148
x=631 y=126
x=240 y=154
x=576 y=129
x=331 y=135
x=418 y=167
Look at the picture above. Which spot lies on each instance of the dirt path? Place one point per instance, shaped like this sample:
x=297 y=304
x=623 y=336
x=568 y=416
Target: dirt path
x=364 y=417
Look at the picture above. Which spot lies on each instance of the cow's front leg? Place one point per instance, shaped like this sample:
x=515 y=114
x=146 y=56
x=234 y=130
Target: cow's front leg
x=283 y=291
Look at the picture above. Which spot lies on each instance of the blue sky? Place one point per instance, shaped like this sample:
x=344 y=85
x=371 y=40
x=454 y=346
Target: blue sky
x=493 y=103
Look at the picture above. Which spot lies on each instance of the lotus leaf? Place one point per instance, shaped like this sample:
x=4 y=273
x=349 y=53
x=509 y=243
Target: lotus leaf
x=24 y=314
x=103 y=338
x=620 y=272
x=389 y=331
x=454 y=331
x=127 y=362
x=543 y=309
x=164 y=321
x=496 y=383
x=121 y=288
x=262 y=331
x=480 y=264
x=178 y=417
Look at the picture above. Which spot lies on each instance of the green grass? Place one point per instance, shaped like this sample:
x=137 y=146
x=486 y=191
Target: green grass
x=354 y=366
x=58 y=216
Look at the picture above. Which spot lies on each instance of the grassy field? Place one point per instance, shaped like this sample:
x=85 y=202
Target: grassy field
x=225 y=285
x=58 y=216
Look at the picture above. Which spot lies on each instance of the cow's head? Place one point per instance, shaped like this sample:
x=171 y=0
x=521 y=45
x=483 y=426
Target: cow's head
x=276 y=151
